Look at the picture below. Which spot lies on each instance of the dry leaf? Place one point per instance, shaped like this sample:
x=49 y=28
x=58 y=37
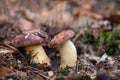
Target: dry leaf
x=4 y=71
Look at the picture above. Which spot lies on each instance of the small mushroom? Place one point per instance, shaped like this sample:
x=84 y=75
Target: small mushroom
x=32 y=40
x=67 y=49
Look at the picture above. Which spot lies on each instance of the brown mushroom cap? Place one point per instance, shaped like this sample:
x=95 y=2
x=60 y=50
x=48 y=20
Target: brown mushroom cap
x=61 y=38
x=29 y=37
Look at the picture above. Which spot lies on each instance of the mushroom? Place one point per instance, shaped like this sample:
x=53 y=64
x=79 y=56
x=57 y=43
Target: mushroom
x=67 y=49
x=32 y=40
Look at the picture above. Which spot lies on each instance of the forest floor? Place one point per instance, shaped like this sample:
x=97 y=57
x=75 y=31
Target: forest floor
x=96 y=24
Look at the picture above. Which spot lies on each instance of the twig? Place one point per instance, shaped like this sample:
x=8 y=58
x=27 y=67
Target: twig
x=91 y=64
x=77 y=36
x=41 y=73
x=16 y=51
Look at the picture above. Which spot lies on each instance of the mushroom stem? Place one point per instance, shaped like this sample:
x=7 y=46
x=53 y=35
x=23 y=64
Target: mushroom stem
x=68 y=54
x=38 y=54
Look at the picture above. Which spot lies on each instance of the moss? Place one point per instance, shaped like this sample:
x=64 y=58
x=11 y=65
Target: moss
x=105 y=39
x=59 y=76
x=85 y=77
x=14 y=64
x=64 y=71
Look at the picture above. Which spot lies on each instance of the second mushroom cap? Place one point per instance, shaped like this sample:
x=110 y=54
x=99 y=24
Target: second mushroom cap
x=61 y=38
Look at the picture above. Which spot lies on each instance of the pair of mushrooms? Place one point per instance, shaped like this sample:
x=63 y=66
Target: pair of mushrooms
x=33 y=40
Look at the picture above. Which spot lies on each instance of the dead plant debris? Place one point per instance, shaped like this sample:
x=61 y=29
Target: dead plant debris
x=96 y=24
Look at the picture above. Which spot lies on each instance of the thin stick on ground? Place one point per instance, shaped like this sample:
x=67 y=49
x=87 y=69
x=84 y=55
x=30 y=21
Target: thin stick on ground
x=16 y=51
x=41 y=73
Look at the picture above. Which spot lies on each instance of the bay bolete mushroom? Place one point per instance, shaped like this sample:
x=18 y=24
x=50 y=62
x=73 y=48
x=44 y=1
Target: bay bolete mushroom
x=67 y=49
x=32 y=40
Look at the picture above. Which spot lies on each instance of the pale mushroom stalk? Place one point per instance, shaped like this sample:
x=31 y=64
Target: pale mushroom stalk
x=38 y=55
x=68 y=54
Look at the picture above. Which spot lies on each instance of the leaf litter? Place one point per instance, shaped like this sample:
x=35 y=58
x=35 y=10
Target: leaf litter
x=95 y=38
